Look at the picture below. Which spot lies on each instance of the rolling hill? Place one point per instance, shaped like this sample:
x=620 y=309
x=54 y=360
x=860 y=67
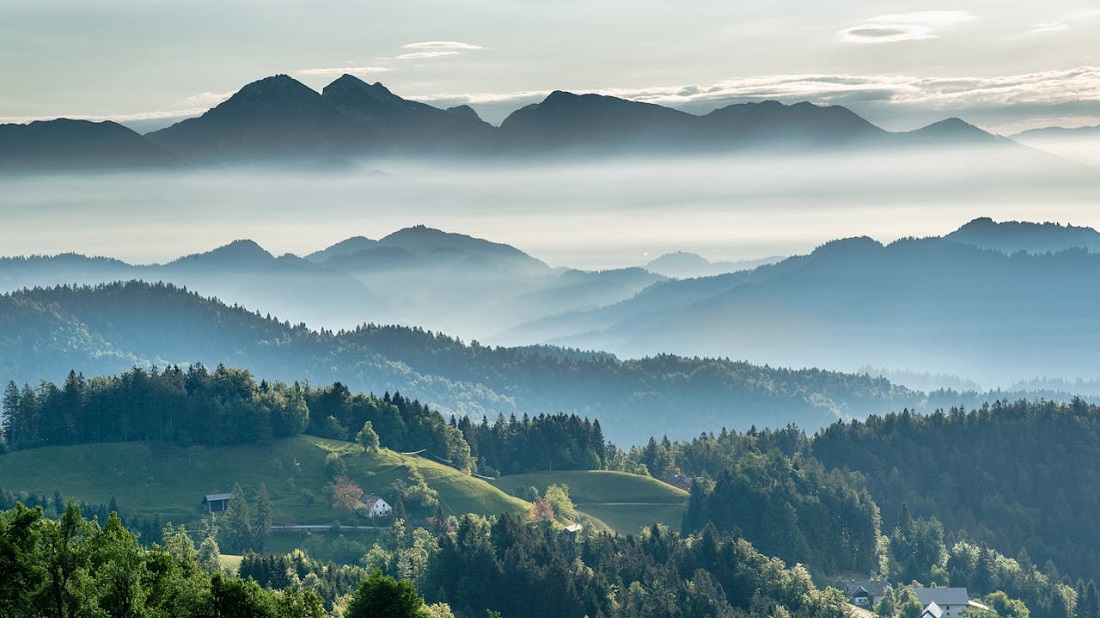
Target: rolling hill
x=108 y=329
x=170 y=482
x=625 y=502
x=937 y=305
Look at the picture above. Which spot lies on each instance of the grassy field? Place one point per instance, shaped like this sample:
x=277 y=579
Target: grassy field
x=625 y=502
x=170 y=481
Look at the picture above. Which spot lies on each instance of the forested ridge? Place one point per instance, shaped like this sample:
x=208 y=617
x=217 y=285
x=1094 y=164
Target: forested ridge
x=220 y=407
x=1022 y=476
x=895 y=497
x=107 y=329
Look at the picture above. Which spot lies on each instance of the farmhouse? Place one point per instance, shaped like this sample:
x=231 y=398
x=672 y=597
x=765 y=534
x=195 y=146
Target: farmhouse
x=375 y=506
x=866 y=594
x=950 y=601
x=216 y=503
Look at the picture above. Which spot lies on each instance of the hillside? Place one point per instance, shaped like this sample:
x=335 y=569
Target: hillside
x=108 y=329
x=929 y=305
x=169 y=482
x=625 y=502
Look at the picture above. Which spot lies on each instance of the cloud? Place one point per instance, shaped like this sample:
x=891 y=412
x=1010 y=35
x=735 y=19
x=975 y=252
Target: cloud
x=343 y=70
x=1076 y=87
x=209 y=99
x=120 y=118
x=441 y=46
x=904 y=26
x=425 y=55
x=1052 y=26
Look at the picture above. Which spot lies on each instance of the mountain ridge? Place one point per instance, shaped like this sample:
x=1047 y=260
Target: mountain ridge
x=281 y=120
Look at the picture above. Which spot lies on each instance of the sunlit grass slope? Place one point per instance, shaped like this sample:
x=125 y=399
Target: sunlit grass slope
x=170 y=481
x=625 y=502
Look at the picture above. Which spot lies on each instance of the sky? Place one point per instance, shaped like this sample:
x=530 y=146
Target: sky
x=1004 y=66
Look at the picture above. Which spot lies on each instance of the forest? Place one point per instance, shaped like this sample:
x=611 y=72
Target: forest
x=220 y=407
x=895 y=497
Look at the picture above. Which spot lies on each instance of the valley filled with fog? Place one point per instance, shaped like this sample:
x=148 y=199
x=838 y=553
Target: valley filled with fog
x=584 y=213
x=584 y=224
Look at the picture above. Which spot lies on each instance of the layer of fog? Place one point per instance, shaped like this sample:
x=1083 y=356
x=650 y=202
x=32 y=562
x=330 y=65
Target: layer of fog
x=582 y=214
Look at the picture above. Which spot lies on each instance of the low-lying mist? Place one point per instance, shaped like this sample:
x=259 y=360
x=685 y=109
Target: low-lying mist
x=582 y=213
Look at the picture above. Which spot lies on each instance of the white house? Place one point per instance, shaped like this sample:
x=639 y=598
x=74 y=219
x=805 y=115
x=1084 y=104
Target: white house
x=950 y=601
x=375 y=506
x=866 y=594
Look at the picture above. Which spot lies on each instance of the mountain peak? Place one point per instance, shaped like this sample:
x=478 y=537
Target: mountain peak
x=465 y=111
x=350 y=246
x=957 y=130
x=423 y=240
x=238 y=253
x=1013 y=236
x=277 y=90
x=65 y=143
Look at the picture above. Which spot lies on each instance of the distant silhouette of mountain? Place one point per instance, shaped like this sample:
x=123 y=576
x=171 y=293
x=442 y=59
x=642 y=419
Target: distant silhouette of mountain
x=593 y=121
x=684 y=265
x=1058 y=132
x=465 y=111
x=108 y=329
x=350 y=246
x=401 y=124
x=772 y=122
x=954 y=131
x=63 y=144
x=1013 y=236
x=279 y=119
x=275 y=117
x=932 y=305
x=235 y=255
x=434 y=244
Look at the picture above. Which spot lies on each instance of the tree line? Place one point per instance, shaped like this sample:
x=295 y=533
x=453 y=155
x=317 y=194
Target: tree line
x=220 y=407
x=543 y=442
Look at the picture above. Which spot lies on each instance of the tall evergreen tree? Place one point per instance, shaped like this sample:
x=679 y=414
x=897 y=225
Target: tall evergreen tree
x=236 y=527
x=262 y=520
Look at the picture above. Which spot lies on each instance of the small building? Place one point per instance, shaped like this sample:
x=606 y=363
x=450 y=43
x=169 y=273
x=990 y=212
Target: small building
x=573 y=529
x=932 y=611
x=375 y=506
x=216 y=503
x=950 y=601
x=866 y=594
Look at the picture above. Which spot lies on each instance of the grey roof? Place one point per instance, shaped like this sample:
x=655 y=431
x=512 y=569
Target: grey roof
x=933 y=610
x=942 y=596
x=217 y=497
x=875 y=589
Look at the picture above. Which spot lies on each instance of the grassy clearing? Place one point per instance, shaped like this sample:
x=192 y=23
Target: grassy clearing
x=625 y=502
x=170 y=481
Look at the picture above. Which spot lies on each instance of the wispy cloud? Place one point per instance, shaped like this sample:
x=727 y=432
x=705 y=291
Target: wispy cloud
x=1079 y=85
x=348 y=70
x=120 y=118
x=209 y=99
x=904 y=26
x=426 y=54
x=441 y=46
x=1052 y=26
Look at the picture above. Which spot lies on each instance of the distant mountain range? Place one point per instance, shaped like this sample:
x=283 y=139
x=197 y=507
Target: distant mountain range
x=417 y=276
x=278 y=119
x=992 y=302
x=64 y=144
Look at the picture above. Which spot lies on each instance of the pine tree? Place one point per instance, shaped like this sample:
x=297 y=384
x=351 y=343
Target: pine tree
x=237 y=525
x=262 y=520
